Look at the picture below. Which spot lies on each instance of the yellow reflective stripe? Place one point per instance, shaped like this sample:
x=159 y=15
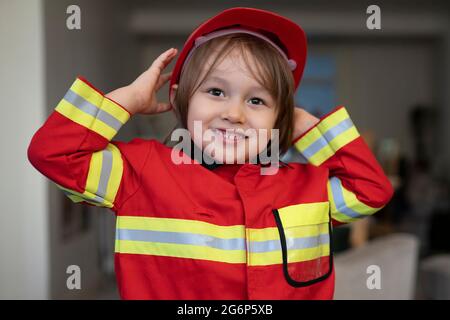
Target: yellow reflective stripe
x=263 y=234
x=180 y=225
x=79 y=197
x=344 y=138
x=308 y=139
x=116 y=173
x=95 y=167
x=116 y=111
x=300 y=255
x=307 y=231
x=326 y=123
x=224 y=232
x=271 y=233
x=75 y=198
x=104 y=130
x=87 y=107
x=333 y=119
x=94 y=97
x=142 y=243
x=308 y=254
x=180 y=251
x=86 y=92
x=304 y=214
x=323 y=155
x=112 y=174
x=214 y=254
x=86 y=120
x=344 y=205
x=103 y=178
x=329 y=135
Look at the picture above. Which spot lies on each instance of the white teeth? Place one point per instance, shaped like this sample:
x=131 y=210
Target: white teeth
x=229 y=135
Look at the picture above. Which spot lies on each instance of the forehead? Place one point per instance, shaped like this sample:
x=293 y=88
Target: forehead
x=232 y=65
x=231 y=60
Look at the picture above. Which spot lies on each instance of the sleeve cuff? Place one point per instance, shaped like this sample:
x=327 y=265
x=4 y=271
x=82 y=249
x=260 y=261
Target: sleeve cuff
x=323 y=140
x=87 y=106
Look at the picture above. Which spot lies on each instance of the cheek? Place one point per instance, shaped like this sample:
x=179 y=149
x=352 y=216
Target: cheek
x=265 y=122
x=194 y=113
x=190 y=118
x=201 y=111
x=198 y=118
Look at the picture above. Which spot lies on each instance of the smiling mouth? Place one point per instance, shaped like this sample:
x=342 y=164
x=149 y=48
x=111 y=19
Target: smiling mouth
x=230 y=136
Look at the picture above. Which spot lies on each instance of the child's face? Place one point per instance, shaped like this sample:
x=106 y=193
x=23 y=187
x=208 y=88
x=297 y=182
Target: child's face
x=231 y=99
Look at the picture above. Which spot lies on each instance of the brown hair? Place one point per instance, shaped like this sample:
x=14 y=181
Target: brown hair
x=272 y=73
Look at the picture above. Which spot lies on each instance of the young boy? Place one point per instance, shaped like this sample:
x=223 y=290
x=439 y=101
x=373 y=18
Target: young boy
x=195 y=231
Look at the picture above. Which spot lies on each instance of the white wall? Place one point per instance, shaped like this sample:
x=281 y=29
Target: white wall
x=24 y=250
x=97 y=52
x=39 y=59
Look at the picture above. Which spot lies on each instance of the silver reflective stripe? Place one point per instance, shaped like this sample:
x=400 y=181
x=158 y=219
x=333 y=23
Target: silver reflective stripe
x=91 y=109
x=181 y=238
x=307 y=242
x=219 y=243
x=338 y=196
x=105 y=173
x=315 y=147
x=327 y=136
x=291 y=243
x=342 y=126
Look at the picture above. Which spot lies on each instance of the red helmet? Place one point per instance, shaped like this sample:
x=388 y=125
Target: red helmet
x=285 y=35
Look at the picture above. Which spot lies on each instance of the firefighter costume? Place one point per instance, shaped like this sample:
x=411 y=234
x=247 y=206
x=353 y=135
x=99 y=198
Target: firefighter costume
x=189 y=231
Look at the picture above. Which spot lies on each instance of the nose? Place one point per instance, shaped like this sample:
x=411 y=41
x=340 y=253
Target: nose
x=234 y=112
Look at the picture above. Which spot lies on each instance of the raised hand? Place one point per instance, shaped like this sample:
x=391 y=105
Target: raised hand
x=303 y=121
x=140 y=95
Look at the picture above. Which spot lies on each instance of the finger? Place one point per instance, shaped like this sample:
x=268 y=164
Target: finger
x=163 y=79
x=153 y=73
x=163 y=60
x=163 y=107
x=160 y=107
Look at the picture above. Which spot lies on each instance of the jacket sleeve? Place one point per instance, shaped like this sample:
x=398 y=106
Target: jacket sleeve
x=357 y=185
x=74 y=148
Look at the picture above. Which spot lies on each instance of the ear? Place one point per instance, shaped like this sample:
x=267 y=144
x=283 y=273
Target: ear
x=173 y=92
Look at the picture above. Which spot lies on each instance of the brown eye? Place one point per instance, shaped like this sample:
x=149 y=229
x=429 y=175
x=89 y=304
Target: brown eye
x=257 y=101
x=215 y=91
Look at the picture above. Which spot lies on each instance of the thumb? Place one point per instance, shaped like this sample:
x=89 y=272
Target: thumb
x=162 y=107
x=162 y=80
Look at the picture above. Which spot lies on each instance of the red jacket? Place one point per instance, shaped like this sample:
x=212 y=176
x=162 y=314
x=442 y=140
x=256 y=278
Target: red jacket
x=189 y=232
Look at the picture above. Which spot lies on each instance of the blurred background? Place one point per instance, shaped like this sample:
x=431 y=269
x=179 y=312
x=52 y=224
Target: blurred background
x=394 y=82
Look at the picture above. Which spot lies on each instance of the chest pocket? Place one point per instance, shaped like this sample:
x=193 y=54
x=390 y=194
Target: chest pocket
x=305 y=239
